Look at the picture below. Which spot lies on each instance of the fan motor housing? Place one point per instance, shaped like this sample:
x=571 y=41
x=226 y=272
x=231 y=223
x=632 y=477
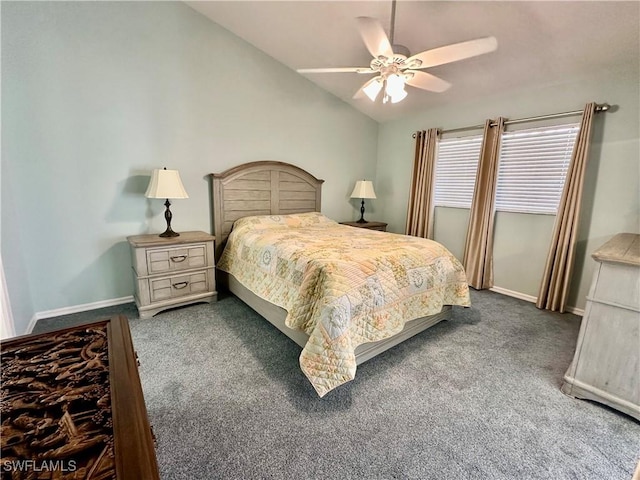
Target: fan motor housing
x=393 y=64
x=402 y=50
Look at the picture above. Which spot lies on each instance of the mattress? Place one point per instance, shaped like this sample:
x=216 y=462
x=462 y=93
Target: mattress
x=342 y=286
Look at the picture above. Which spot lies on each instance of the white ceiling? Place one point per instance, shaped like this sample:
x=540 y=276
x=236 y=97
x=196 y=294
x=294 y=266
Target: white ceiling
x=539 y=43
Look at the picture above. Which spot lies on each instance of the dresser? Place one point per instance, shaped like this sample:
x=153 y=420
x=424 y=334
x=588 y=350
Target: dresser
x=381 y=226
x=606 y=364
x=172 y=272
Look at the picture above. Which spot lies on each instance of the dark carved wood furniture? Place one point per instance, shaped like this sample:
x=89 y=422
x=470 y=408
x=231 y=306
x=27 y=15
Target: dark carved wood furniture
x=72 y=406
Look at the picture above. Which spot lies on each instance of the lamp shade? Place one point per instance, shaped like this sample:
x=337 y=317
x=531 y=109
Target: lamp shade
x=363 y=189
x=165 y=184
x=373 y=89
x=395 y=85
x=398 y=97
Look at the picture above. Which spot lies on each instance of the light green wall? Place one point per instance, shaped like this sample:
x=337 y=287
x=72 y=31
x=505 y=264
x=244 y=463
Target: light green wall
x=517 y=237
x=97 y=94
x=610 y=201
x=449 y=228
x=521 y=244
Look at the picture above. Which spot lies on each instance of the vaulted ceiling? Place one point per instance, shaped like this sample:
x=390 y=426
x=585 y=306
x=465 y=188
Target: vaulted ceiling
x=539 y=43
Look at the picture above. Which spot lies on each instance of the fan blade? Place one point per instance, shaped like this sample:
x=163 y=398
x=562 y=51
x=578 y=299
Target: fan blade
x=336 y=70
x=425 y=81
x=361 y=92
x=374 y=37
x=452 y=53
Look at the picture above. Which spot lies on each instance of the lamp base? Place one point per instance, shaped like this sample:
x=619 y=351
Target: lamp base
x=362 y=220
x=167 y=216
x=169 y=233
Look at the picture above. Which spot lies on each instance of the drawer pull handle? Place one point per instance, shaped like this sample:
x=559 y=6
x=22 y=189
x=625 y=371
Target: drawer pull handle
x=180 y=285
x=178 y=258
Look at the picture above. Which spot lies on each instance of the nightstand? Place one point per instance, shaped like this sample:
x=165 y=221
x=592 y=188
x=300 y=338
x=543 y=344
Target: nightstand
x=370 y=225
x=172 y=272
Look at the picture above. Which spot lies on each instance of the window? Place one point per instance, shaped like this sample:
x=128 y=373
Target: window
x=531 y=172
x=533 y=167
x=456 y=166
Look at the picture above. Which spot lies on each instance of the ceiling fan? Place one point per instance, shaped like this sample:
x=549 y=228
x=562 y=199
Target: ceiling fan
x=396 y=68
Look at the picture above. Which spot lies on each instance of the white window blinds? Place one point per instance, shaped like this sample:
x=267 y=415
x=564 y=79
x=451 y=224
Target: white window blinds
x=533 y=167
x=456 y=166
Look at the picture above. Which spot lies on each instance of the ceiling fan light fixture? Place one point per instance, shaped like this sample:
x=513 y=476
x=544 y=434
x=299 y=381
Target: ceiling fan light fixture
x=398 y=97
x=395 y=85
x=396 y=68
x=373 y=90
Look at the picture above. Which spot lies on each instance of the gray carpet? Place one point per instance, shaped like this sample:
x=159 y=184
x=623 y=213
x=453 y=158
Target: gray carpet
x=476 y=397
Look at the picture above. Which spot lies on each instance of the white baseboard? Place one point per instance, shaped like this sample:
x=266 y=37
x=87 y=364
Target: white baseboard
x=576 y=311
x=511 y=293
x=531 y=298
x=31 y=326
x=76 y=309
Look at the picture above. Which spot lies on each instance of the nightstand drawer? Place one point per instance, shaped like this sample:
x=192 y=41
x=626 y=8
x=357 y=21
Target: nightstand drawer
x=178 y=286
x=172 y=259
x=170 y=272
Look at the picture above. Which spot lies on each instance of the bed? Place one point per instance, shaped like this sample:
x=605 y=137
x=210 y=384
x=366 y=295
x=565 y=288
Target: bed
x=340 y=301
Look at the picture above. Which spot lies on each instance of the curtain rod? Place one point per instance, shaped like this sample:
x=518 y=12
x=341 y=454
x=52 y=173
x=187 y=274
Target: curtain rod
x=599 y=108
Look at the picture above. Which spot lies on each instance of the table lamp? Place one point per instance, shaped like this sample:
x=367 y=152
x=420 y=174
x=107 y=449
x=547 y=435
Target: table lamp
x=166 y=184
x=362 y=190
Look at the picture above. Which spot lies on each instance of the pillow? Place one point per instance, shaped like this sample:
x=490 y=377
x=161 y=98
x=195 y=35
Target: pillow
x=292 y=220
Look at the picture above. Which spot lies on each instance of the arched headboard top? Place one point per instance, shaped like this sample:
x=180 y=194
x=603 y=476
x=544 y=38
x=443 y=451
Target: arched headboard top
x=260 y=188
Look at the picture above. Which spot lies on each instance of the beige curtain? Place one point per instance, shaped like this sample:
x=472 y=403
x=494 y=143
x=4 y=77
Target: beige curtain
x=478 y=250
x=557 y=273
x=420 y=210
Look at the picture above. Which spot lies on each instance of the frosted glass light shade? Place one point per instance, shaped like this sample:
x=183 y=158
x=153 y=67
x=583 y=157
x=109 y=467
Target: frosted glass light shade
x=363 y=189
x=398 y=97
x=165 y=184
x=395 y=88
x=373 y=89
x=395 y=85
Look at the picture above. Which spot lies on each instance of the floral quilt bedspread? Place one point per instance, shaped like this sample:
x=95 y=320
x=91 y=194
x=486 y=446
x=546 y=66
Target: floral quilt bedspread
x=342 y=286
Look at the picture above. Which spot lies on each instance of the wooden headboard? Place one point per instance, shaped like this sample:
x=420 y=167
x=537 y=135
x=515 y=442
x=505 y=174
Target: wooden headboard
x=260 y=188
